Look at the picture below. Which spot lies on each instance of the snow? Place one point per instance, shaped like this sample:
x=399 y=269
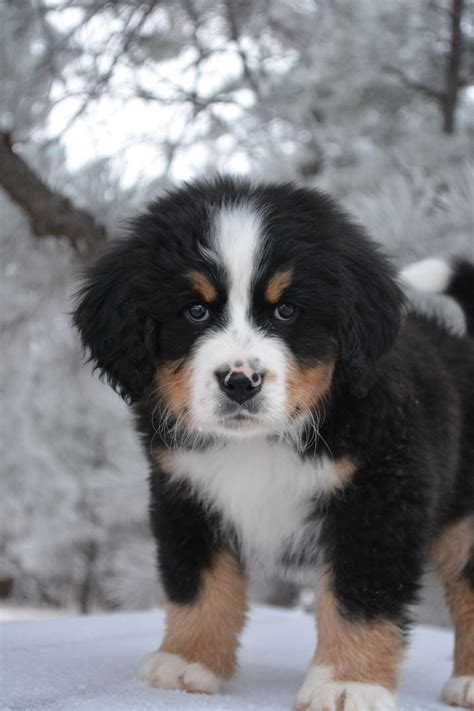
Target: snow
x=90 y=664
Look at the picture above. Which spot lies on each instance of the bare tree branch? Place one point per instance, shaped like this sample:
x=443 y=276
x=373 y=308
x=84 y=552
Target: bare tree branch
x=49 y=213
x=448 y=98
x=453 y=68
x=414 y=84
x=235 y=37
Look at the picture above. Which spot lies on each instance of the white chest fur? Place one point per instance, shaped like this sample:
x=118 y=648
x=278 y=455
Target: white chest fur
x=264 y=490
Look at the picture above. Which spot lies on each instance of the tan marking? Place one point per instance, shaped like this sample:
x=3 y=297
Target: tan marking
x=173 y=388
x=202 y=285
x=207 y=631
x=345 y=469
x=451 y=553
x=370 y=653
x=307 y=386
x=164 y=458
x=277 y=285
x=452 y=548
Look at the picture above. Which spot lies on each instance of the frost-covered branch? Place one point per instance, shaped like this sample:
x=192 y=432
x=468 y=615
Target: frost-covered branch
x=447 y=98
x=49 y=212
x=235 y=37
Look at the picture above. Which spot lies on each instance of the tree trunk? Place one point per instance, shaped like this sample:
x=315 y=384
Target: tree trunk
x=49 y=213
x=450 y=98
x=86 y=588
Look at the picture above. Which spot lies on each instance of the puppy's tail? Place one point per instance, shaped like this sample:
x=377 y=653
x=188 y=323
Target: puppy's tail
x=437 y=276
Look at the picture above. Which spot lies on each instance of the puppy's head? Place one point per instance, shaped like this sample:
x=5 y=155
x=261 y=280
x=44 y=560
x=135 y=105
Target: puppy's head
x=233 y=305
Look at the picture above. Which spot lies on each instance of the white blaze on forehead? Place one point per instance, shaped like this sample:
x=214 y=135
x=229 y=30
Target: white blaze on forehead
x=238 y=242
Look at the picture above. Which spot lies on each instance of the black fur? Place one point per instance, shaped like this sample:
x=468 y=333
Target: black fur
x=401 y=403
x=114 y=324
x=461 y=289
x=186 y=537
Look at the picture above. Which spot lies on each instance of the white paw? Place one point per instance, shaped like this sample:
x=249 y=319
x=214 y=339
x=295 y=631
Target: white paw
x=320 y=693
x=459 y=691
x=170 y=671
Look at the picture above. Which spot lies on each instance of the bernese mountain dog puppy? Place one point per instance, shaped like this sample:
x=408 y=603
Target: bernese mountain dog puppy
x=298 y=418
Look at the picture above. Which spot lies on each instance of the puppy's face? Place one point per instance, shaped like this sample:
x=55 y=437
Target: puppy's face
x=248 y=348
x=231 y=306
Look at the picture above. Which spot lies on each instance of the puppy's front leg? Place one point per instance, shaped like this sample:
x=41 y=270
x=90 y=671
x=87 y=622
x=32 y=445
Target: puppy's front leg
x=356 y=664
x=453 y=554
x=199 y=648
x=373 y=540
x=206 y=595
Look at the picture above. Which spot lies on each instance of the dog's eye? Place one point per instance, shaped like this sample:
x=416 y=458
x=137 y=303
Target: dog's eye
x=197 y=312
x=285 y=312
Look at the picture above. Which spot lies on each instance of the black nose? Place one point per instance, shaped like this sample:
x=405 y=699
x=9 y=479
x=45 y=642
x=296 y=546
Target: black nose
x=237 y=386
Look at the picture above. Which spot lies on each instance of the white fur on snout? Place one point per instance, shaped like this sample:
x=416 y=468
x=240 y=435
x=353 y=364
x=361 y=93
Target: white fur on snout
x=207 y=397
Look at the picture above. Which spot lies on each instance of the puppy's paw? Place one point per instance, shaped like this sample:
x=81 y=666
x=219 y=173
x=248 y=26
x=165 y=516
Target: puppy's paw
x=170 y=671
x=459 y=691
x=320 y=693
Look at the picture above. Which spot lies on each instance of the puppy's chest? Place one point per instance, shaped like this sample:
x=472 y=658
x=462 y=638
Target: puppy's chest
x=266 y=494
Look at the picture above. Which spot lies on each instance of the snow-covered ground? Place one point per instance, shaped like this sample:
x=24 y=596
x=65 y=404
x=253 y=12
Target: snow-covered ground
x=90 y=663
x=11 y=612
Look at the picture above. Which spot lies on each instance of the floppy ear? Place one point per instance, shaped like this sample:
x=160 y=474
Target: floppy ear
x=113 y=327
x=370 y=310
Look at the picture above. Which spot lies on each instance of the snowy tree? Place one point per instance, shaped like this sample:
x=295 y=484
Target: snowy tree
x=102 y=104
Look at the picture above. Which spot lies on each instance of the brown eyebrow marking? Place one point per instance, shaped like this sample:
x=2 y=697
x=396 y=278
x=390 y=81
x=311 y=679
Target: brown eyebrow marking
x=277 y=285
x=202 y=285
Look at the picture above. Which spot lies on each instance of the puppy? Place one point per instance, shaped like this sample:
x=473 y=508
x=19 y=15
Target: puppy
x=298 y=418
